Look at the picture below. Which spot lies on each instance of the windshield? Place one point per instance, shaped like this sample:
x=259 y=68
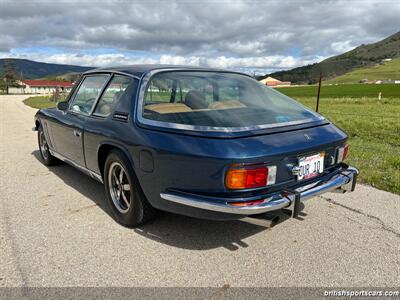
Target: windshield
x=201 y=100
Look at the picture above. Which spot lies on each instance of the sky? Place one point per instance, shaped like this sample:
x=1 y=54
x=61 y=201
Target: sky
x=252 y=36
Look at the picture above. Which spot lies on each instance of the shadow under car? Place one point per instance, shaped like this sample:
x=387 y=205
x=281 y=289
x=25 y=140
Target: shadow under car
x=171 y=229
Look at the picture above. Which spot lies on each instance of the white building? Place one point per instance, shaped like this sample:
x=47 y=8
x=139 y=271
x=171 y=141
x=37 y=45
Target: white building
x=41 y=87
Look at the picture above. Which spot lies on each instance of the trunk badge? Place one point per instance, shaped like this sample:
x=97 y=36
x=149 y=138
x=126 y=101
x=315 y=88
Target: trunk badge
x=307 y=137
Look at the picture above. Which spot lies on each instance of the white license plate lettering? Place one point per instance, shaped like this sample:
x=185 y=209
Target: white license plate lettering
x=311 y=166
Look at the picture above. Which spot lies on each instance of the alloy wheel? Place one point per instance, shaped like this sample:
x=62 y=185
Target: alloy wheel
x=44 y=147
x=119 y=187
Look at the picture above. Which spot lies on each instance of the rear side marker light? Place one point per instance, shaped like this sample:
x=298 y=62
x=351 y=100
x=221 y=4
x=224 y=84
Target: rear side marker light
x=248 y=177
x=247 y=203
x=342 y=153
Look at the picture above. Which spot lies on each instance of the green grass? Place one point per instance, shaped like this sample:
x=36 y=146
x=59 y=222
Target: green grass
x=384 y=71
x=40 y=102
x=344 y=90
x=373 y=128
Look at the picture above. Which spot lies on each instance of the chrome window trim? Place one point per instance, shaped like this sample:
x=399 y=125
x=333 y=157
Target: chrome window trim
x=144 y=81
x=111 y=71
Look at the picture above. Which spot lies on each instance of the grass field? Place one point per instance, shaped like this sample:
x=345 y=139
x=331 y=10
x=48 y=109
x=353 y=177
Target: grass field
x=384 y=71
x=40 y=102
x=344 y=90
x=373 y=126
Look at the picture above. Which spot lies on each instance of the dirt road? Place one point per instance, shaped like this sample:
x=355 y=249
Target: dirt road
x=54 y=232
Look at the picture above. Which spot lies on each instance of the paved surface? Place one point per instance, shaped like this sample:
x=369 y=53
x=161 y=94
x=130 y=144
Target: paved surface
x=54 y=232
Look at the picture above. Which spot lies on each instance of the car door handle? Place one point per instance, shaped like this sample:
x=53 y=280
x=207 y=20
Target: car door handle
x=77 y=133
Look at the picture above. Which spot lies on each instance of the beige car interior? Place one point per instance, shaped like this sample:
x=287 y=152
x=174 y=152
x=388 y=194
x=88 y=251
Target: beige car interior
x=105 y=107
x=167 y=108
x=226 y=104
x=194 y=101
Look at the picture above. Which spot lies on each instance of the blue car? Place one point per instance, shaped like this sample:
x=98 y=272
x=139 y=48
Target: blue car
x=200 y=142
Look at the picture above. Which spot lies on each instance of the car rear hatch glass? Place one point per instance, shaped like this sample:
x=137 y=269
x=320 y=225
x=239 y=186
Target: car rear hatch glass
x=218 y=102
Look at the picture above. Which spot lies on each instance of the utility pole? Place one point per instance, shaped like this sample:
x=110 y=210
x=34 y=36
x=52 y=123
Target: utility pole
x=319 y=91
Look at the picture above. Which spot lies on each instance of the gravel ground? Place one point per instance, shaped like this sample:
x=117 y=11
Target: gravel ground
x=54 y=232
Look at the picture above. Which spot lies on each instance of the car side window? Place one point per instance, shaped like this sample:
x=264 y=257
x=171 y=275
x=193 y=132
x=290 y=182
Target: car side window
x=113 y=93
x=88 y=92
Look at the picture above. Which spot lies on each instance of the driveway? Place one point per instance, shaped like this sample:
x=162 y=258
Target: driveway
x=55 y=232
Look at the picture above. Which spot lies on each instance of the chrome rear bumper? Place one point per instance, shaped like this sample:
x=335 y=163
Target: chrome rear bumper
x=341 y=182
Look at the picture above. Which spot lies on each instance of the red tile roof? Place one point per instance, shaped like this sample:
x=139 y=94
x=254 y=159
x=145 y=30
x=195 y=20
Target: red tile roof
x=47 y=83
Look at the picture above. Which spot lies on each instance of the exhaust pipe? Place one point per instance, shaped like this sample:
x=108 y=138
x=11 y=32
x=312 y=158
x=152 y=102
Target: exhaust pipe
x=265 y=219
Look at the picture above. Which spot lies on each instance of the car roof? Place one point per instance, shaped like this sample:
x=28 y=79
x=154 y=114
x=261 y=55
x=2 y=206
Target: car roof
x=140 y=70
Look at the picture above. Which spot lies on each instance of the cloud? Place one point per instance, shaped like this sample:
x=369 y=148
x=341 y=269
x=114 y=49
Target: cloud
x=255 y=34
x=268 y=64
x=340 y=47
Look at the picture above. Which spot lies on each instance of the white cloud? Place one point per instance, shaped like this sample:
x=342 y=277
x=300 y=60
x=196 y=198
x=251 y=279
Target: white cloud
x=104 y=60
x=253 y=34
x=341 y=47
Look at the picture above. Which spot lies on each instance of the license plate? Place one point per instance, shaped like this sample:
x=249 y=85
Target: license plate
x=311 y=166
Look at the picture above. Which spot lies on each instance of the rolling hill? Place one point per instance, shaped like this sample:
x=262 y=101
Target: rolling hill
x=383 y=71
x=362 y=56
x=33 y=69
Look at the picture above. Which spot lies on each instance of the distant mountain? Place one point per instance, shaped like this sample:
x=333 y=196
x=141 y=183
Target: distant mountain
x=362 y=56
x=70 y=76
x=33 y=69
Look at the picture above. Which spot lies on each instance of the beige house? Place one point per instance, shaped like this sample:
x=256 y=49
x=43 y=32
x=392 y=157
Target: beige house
x=270 y=81
x=41 y=87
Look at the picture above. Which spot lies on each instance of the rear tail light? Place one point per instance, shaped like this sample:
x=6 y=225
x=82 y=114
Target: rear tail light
x=342 y=153
x=248 y=177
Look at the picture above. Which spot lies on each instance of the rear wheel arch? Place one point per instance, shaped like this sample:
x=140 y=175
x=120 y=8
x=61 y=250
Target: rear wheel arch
x=47 y=158
x=105 y=149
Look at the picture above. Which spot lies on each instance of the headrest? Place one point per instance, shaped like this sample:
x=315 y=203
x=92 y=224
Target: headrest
x=195 y=100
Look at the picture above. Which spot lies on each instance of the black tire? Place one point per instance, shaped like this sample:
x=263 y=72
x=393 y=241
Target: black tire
x=47 y=158
x=128 y=205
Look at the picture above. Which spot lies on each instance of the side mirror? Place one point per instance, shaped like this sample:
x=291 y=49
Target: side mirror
x=62 y=105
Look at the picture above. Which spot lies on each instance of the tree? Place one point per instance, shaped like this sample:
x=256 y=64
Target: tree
x=9 y=76
x=3 y=86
